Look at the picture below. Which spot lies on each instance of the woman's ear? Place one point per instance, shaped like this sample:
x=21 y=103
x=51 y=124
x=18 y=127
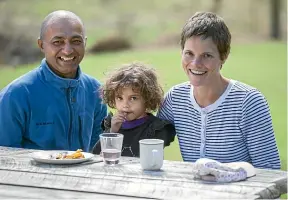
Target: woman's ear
x=225 y=58
x=223 y=62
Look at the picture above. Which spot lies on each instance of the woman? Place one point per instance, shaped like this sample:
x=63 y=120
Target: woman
x=217 y=117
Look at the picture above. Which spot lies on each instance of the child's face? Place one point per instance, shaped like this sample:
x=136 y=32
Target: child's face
x=131 y=104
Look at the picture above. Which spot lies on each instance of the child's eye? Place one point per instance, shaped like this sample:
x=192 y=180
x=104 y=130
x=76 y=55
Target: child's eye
x=133 y=98
x=118 y=98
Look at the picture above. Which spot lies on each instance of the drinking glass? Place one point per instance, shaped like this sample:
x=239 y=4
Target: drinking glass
x=111 y=146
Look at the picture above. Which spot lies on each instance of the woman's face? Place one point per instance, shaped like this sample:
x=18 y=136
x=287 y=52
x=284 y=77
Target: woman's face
x=201 y=61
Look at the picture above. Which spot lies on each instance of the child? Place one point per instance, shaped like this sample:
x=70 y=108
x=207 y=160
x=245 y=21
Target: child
x=133 y=90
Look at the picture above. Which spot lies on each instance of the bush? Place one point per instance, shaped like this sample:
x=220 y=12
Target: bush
x=18 y=50
x=111 y=44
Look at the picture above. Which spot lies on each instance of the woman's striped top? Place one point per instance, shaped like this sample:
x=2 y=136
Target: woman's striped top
x=237 y=127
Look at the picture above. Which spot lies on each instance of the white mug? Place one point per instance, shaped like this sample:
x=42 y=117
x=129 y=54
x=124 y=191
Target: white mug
x=151 y=154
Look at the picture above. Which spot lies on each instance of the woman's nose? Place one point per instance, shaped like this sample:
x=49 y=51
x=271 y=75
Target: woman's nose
x=196 y=61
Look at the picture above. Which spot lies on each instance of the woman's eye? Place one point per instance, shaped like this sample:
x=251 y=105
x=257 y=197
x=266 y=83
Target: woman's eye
x=187 y=53
x=118 y=98
x=207 y=56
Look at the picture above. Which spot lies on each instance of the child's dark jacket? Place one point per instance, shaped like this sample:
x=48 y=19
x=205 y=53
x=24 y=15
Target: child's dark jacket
x=153 y=127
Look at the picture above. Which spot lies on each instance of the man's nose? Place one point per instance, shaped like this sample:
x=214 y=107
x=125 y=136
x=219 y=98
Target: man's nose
x=67 y=49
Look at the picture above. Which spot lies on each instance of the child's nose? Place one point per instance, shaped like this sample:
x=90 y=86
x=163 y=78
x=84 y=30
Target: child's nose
x=125 y=106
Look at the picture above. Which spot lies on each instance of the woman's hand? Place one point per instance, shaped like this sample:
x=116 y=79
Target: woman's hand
x=117 y=121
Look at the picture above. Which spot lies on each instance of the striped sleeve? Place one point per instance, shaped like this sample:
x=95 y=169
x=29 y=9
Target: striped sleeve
x=256 y=125
x=165 y=110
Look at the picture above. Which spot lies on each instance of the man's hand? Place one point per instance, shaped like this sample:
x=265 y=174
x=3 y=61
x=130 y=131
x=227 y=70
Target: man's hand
x=117 y=121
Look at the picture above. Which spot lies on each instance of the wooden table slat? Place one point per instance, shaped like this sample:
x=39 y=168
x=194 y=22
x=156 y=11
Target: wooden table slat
x=139 y=189
x=24 y=192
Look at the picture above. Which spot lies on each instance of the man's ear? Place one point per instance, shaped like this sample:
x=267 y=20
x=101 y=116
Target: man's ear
x=85 y=40
x=40 y=44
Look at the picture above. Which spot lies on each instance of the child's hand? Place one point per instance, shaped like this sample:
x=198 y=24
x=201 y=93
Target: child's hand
x=117 y=121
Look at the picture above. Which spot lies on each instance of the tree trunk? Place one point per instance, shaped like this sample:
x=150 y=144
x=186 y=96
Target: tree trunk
x=216 y=6
x=275 y=19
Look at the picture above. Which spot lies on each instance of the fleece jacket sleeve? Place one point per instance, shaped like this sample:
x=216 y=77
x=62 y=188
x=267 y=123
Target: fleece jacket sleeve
x=12 y=120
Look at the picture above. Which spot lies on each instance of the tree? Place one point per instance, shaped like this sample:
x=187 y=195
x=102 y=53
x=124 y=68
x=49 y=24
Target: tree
x=216 y=6
x=275 y=19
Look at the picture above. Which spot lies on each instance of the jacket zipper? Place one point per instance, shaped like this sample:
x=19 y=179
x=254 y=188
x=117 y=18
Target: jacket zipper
x=80 y=134
x=70 y=114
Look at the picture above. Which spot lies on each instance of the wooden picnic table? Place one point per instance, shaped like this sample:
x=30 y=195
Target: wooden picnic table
x=22 y=177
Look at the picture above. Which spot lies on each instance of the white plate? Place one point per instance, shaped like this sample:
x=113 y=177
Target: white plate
x=47 y=157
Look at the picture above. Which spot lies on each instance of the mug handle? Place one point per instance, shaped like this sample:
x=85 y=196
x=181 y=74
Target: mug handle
x=155 y=156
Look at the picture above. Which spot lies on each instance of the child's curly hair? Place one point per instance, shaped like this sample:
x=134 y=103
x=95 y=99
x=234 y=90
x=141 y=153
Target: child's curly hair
x=141 y=78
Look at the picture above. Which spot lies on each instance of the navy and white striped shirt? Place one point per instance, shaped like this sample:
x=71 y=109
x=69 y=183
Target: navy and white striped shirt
x=237 y=127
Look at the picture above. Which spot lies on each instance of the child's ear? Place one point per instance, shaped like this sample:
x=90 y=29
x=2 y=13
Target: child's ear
x=148 y=110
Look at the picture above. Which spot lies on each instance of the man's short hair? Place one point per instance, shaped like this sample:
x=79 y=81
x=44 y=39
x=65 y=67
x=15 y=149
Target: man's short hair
x=58 y=14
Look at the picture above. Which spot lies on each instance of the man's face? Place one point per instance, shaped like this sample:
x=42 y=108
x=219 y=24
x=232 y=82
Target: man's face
x=63 y=44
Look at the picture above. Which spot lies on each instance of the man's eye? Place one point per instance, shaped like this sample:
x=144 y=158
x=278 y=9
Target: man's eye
x=188 y=53
x=77 y=41
x=57 y=42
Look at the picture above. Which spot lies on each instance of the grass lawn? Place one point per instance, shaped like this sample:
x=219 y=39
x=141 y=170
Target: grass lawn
x=260 y=65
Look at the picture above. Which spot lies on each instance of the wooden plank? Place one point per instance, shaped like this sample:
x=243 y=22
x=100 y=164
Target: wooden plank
x=120 y=173
x=20 y=192
x=9 y=151
x=132 y=170
x=106 y=186
x=98 y=170
x=167 y=182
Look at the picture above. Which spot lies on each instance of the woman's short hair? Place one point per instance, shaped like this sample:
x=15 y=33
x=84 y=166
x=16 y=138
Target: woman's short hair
x=207 y=24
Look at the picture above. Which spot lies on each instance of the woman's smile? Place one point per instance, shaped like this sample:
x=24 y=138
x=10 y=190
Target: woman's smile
x=197 y=73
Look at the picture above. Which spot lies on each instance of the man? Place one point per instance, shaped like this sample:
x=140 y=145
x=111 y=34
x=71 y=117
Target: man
x=55 y=106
